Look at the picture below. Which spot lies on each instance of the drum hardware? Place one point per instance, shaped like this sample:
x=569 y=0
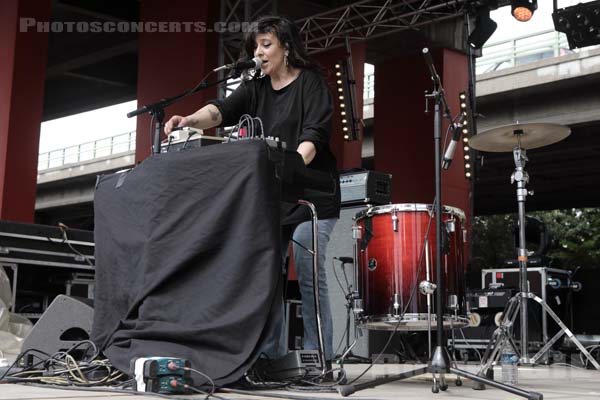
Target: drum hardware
x=372 y=265
x=450 y=226
x=356 y=232
x=396 y=305
x=518 y=139
x=385 y=276
x=439 y=363
x=426 y=287
x=453 y=302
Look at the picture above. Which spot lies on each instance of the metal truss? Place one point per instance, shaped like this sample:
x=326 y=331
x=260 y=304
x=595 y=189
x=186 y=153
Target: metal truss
x=230 y=43
x=373 y=18
x=360 y=20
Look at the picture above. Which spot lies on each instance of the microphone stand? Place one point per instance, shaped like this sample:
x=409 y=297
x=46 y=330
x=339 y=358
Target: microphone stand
x=440 y=361
x=157 y=110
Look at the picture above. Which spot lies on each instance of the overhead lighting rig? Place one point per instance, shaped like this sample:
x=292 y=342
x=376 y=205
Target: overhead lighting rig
x=581 y=23
x=484 y=28
x=484 y=25
x=523 y=10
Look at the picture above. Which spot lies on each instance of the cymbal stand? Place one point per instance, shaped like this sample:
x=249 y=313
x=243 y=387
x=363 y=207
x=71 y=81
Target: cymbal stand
x=519 y=302
x=440 y=361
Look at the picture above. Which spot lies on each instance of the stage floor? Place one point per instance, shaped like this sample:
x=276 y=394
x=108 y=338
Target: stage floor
x=554 y=382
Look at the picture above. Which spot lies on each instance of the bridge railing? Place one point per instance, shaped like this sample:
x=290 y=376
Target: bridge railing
x=121 y=143
x=522 y=50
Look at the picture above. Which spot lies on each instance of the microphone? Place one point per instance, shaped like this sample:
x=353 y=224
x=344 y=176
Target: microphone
x=449 y=154
x=255 y=63
x=344 y=260
x=429 y=62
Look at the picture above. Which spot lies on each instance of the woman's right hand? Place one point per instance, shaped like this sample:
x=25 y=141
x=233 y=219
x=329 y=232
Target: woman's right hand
x=175 y=121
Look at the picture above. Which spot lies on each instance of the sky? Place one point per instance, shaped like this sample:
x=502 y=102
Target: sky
x=112 y=121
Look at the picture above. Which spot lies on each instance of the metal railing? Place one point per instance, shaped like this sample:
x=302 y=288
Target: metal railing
x=121 y=143
x=369 y=86
x=522 y=50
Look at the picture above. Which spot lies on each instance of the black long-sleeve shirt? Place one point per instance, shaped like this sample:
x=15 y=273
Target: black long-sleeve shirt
x=301 y=111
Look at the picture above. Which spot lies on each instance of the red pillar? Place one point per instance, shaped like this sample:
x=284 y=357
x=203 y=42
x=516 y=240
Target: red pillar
x=348 y=154
x=171 y=62
x=403 y=134
x=23 y=51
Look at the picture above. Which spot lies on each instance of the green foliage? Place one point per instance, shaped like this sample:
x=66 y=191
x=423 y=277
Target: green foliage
x=492 y=240
x=576 y=234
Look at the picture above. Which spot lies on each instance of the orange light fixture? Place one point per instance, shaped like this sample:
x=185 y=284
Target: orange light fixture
x=523 y=10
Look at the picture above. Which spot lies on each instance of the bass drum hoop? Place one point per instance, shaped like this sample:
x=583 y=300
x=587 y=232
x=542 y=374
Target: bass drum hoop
x=410 y=207
x=411 y=322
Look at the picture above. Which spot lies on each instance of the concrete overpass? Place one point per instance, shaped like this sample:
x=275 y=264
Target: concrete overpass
x=66 y=178
x=562 y=90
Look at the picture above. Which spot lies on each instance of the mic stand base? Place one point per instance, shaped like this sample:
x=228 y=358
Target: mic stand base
x=438 y=365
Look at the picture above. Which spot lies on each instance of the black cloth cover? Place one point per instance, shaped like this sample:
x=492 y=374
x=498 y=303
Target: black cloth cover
x=188 y=258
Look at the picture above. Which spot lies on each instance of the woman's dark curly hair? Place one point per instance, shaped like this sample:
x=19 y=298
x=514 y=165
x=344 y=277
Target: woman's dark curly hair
x=288 y=35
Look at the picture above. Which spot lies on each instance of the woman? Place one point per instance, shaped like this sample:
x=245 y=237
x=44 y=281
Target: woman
x=294 y=104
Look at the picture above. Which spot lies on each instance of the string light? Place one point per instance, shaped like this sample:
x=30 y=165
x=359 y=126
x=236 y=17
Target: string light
x=465 y=113
x=345 y=98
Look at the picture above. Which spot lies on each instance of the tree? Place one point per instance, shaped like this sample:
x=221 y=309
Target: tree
x=576 y=238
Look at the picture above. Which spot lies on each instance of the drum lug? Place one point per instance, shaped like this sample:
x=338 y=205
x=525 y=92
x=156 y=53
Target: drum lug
x=356 y=232
x=357 y=308
x=396 y=304
x=453 y=302
x=395 y=221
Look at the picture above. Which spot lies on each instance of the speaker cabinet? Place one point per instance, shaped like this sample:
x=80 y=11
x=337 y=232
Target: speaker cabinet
x=67 y=321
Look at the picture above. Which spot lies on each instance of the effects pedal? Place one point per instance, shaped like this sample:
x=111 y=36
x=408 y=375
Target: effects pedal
x=160 y=375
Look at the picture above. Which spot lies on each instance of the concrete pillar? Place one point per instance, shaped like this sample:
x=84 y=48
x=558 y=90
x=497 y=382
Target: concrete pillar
x=348 y=154
x=23 y=51
x=171 y=62
x=403 y=133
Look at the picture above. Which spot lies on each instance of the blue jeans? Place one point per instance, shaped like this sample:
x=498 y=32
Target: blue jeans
x=304 y=269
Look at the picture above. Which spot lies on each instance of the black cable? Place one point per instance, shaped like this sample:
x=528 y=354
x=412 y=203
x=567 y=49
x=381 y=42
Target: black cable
x=63 y=228
x=79 y=344
x=199 y=391
x=20 y=356
x=208 y=379
x=273 y=395
x=106 y=390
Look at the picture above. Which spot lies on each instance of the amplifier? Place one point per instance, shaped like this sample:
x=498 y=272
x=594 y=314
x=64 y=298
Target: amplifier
x=365 y=187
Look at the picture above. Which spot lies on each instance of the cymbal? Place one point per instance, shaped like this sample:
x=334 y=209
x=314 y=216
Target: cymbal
x=506 y=138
